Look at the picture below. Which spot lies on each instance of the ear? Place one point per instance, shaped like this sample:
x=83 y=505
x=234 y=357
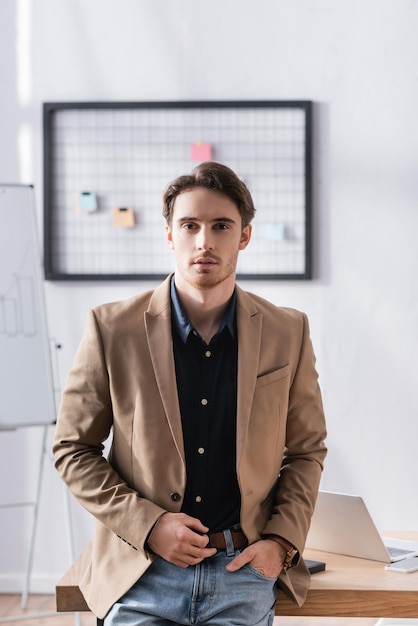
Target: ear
x=245 y=236
x=169 y=236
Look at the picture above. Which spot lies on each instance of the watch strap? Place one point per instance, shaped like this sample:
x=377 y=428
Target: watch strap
x=292 y=553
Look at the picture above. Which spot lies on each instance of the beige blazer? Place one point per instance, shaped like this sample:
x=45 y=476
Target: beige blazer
x=123 y=382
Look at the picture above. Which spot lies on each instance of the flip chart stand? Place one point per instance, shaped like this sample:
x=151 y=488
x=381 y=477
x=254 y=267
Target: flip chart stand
x=24 y=342
x=35 y=504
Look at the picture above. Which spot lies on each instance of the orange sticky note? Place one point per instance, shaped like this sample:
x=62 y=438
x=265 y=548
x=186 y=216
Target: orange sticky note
x=123 y=217
x=201 y=152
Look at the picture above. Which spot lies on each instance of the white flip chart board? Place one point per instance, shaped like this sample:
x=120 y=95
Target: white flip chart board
x=26 y=383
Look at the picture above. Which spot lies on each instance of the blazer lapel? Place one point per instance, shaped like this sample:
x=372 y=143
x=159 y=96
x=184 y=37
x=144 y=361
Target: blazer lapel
x=160 y=343
x=249 y=323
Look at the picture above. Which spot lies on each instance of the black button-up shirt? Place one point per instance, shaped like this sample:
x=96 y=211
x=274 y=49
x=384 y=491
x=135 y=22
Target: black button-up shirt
x=207 y=390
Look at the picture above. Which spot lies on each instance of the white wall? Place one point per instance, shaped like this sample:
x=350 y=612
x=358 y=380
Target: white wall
x=357 y=59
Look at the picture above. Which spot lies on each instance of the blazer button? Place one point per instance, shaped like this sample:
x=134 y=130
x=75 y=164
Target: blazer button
x=175 y=496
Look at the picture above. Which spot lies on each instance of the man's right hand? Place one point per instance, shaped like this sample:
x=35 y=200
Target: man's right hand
x=180 y=539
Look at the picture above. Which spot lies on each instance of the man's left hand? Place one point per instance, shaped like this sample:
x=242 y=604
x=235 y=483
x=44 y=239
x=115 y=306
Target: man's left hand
x=265 y=555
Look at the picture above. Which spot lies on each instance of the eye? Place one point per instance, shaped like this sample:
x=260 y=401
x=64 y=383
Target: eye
x=221 y=226
x=188 y=226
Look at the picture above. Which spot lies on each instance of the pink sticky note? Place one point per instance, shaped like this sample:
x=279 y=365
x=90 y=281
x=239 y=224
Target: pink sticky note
x=201 y=152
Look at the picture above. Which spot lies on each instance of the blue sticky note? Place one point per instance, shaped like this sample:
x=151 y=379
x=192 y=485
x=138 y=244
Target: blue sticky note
x=87 y=201
x=274 y=231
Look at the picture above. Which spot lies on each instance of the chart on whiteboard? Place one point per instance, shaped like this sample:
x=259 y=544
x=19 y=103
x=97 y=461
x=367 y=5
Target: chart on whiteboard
x=17 y=302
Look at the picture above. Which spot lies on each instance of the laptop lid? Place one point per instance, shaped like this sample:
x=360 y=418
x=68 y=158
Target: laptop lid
x=342 y=524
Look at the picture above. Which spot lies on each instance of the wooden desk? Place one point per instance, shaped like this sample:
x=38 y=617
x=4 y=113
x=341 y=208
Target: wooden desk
x=348 y=588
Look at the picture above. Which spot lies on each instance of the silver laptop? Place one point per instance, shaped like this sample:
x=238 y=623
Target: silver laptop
x=342 y=524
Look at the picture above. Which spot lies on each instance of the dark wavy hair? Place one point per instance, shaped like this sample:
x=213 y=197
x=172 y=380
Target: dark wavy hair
x=217 y=177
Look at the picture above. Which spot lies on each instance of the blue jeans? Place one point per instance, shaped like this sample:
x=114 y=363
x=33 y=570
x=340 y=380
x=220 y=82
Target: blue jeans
x=203 y=594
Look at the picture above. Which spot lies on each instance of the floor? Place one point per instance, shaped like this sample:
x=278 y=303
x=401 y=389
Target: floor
x=10 y=608
x=10 y=611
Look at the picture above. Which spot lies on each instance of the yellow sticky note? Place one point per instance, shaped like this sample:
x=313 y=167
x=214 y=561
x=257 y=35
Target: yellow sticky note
x=123 y=217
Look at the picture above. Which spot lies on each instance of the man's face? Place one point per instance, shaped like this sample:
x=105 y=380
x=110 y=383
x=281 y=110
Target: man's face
x=206 y=235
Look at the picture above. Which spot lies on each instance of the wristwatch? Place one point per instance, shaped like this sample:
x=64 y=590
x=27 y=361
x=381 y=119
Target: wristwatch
x=292 y=553
x=290 y=559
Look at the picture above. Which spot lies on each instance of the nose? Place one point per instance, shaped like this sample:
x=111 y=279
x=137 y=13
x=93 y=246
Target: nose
x=204 y=239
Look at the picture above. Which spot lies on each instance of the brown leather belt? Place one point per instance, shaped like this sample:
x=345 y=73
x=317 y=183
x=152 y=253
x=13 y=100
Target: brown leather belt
x=217 y=540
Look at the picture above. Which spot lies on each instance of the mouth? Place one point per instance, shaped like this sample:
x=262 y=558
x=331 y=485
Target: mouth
x=204 y=262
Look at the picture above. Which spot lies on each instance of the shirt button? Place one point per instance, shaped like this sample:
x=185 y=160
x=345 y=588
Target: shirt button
x=203 y=401
x=201 y=450
x=208 y=353
x=198 y=498
x=175 y=496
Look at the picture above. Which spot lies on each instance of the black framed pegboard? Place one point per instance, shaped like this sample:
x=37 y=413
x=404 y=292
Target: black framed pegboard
x=106 y=165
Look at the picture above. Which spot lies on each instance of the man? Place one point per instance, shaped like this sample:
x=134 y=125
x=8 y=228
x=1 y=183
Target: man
x=212 y=399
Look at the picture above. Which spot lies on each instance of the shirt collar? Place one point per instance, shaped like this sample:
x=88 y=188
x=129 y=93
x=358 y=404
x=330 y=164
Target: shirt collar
x=184 y=326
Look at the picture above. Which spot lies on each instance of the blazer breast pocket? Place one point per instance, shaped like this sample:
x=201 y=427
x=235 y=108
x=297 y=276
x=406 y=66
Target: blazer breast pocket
x=271 y=398
x=272 y=377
